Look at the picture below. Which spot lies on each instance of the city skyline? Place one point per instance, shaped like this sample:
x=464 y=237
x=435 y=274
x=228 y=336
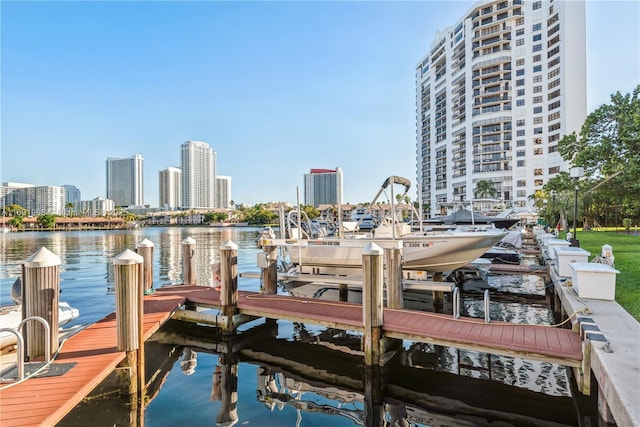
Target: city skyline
x=275 y=88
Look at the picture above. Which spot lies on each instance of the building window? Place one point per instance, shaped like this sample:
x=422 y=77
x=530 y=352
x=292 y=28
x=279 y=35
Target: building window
x=537 y=99
x=521 y=193
x=537 y=37
x=554 y=126
x=521 y=183
x=537 y=120
x=537 y=58
x=553 y=62
x=537 y=47
x=537 y=141
x=553 y=84
x=553 y=116
x=537 y=131
x=554 y=170
x=553 y=51
x=537 y=172
x=519 y=42
x=520 y=122
x=520 y=72
x=519 y=32
x=519 y=62
x=537 y=79
x=537 y=5
x=537 y=27
x=520 y=132
x=520 y=82
x=537 y=68
x=553 y=73
x=537 y=110
x=520 y=153
x=519 y=21
x=554 y=137
x=520 y=143
x=520 y=92
x=554 y=94
x=553 y=149
x=537 y=151
x=537 y=182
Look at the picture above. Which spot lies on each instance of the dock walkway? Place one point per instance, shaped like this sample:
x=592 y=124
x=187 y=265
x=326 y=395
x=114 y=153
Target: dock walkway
x=45 y=401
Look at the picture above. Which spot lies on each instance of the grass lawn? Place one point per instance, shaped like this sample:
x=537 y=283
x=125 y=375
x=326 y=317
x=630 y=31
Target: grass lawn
x=626 y=249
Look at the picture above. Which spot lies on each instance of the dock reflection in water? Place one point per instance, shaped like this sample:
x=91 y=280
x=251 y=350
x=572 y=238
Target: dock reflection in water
x=294 y=374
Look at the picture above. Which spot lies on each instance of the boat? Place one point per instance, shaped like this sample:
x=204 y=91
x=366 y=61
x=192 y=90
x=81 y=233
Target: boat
x=468 y=217
x=363 y=219
x=431 y=251
x=11 y=316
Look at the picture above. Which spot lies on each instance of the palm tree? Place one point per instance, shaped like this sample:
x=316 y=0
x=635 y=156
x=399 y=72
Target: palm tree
x=485 y=188
x=69 y=207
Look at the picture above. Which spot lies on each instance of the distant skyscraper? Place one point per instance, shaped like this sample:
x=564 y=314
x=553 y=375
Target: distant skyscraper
x=223 y=191
x=198 y=175
x=125 y=181
x=71 y=194
x=46 y=199
x=323 y=187
x=495 y=93
x=170 y=188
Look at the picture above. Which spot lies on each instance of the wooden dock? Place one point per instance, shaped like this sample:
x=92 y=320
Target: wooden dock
x=46 y=400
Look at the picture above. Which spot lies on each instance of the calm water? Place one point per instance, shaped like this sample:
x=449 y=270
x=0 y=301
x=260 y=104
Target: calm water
x=291 y=374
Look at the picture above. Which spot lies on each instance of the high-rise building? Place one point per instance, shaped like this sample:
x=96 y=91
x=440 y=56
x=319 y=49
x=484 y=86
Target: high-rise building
x=125 y=184
x=198 y=175
x=71 y=195
x=494 y=94
x=223 y=191
x=323 y=187
x=37 y=200
x=170 y=180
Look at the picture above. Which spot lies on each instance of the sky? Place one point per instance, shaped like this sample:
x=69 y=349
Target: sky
x=275 y=87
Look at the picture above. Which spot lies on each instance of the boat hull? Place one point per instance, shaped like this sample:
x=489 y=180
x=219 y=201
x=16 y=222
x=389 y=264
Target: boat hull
x=436 y=253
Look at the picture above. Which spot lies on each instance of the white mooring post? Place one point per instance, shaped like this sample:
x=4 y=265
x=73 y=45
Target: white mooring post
x=40 y=297
x=372 y=301
x=145 y=250
x=129 y=316
x=188 y=261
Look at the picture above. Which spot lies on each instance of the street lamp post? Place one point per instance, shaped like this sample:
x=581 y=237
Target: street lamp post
x=576 y=173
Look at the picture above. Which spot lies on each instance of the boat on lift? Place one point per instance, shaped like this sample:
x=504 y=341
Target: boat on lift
x=431 y=251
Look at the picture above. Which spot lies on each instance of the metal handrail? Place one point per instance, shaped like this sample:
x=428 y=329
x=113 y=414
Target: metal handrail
x=456 y=303
x=20 y=351
x=486 y=306
x=47 y=329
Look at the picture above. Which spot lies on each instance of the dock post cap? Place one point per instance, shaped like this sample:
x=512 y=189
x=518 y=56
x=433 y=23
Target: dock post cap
x=229 y=245
x=146 y=243
x=189 y=241
x=372 y=249
x=43 y=257
x=128 y=257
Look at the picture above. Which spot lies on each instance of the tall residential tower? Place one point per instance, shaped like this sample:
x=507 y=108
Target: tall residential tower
x=170 y=180
x=125 y=184
x=494 y=95
x=198 y=175
x=323 y=187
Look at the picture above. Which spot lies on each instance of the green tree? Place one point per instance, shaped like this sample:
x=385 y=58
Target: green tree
x=16 y=221
x=13 y=210
x=608 y=147
x=69 y=208
x=46 y=220
x=311 y=211
x=485 y=188
x=210 y=217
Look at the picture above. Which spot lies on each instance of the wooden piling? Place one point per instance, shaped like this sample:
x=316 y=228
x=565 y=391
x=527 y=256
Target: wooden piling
x=229 y=283
x=129 y=318
x=188 y=261
x=40 y=297
x=372 y=302
x=270 y=273
x=393 y=261
x=145 y=249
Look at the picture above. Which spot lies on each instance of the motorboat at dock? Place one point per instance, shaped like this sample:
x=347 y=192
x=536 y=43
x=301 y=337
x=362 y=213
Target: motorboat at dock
x=435 y=252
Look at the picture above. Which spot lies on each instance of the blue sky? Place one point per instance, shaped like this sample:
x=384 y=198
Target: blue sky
x=276 y=88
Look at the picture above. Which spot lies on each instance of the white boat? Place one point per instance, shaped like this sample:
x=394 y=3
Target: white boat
x=435 y=252
x=11 y=316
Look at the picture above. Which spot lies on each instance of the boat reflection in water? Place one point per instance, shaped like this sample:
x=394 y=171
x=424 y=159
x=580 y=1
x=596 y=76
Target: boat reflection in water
x=278 y=373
